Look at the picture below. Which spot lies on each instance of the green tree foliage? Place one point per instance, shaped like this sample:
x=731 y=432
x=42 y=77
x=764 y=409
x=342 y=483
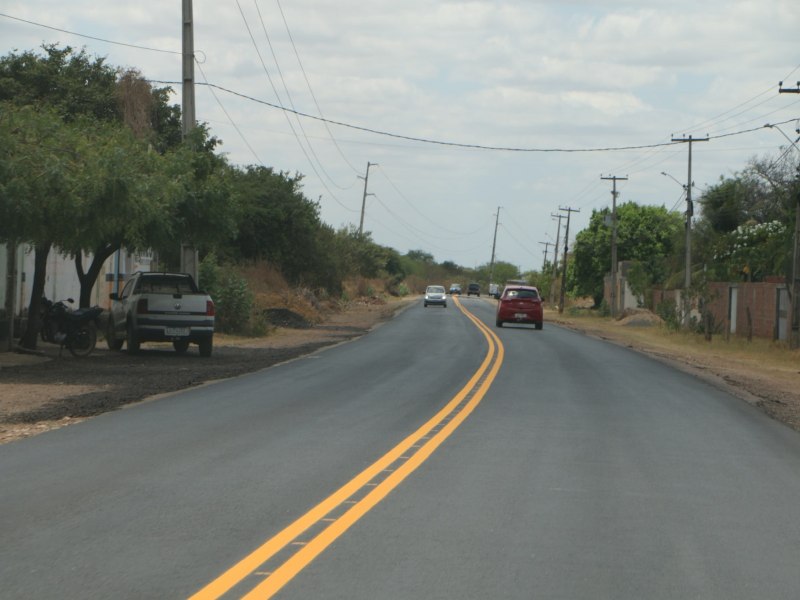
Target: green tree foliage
x=116 y=207
x=44 y=165
x=275 y=222
x=746 y=222
x=647 y=234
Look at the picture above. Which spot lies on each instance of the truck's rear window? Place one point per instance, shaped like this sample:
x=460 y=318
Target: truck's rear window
x=165 y=285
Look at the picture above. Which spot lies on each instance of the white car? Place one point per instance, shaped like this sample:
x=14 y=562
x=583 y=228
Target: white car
x=435 y=294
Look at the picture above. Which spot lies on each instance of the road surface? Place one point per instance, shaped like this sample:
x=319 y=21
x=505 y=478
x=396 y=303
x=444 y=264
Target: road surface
x=436 y=457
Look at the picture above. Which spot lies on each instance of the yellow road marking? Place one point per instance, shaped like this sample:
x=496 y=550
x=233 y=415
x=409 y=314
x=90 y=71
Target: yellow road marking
x=280 y=576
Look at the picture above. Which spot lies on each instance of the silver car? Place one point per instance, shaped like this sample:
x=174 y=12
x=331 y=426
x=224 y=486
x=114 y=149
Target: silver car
x=435 y=294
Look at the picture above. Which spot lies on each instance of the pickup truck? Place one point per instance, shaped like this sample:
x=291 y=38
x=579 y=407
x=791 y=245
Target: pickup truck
x=161 y=307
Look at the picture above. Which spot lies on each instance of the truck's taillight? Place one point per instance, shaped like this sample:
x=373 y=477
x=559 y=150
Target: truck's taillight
x=141 y=306
x=209 y=308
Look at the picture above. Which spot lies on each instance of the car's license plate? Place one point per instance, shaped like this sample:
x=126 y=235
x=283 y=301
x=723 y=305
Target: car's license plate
x=177 y=331
x=520 y=316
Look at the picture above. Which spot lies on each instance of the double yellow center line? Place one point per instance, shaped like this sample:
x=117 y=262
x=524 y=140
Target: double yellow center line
x=272 y=565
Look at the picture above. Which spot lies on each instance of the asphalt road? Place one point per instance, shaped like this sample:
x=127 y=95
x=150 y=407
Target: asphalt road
x=435 y=457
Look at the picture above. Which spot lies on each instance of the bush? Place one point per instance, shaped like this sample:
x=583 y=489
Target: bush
x=668 y=311
x=232 y=297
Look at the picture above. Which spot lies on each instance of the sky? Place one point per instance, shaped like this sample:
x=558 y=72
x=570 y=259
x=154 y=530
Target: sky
x=481 y=121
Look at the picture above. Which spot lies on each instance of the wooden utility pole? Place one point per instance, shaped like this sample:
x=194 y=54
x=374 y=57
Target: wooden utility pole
x=546 y=248
x=364 y=197
x=187 y=91
x=794 y=287
x=555 y=258
x=614 y=192
x=11 y=290
x=687 y=276
x=494 y=244
x=566 y=253
x=189 y=256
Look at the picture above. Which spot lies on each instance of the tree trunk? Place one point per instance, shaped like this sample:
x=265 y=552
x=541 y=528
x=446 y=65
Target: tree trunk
x=89 y=278
x=31 y=336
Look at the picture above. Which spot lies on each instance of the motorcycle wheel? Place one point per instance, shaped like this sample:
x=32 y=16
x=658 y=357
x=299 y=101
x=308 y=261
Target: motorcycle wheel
x=84 y=341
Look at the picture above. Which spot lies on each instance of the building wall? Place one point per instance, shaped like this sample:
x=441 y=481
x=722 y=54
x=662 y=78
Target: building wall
x=61 y=280
x=759 y=300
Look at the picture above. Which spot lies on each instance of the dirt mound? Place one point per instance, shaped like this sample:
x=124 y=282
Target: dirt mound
x=639 y=317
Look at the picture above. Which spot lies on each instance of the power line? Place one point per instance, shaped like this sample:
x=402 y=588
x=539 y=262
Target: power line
x=463 y=145
x=285 y=110
x=289 y=97
x=90 y=37
x=310 y=90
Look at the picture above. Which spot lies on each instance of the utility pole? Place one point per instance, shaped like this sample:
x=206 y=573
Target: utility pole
x=546 y=248
x=566 y=253
x=364 y=198
x=189 y=257
x=494 y=244
x=555 y=258
x=614 y=192
x=187 y=93
x=794 y=288
x=687 y=276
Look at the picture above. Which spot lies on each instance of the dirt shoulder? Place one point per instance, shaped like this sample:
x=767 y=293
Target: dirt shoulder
x=39 y=393
x=43 y=392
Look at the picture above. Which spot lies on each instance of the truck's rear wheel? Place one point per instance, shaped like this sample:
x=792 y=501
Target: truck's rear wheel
x=206 y=346
x=133 y=340
x=114 y=343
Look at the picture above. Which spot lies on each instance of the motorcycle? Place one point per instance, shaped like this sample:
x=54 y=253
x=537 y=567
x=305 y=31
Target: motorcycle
x=75 y=329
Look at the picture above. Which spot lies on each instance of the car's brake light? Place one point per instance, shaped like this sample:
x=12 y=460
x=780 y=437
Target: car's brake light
x=141 y=306
x=209 y=308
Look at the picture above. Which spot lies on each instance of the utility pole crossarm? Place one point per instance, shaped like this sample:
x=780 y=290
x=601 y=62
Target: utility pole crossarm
x=783 y=90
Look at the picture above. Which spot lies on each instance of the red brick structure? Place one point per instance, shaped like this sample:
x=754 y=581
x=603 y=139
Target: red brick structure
x=743 y=308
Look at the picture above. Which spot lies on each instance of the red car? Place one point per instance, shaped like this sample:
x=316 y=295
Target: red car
x=520 y=304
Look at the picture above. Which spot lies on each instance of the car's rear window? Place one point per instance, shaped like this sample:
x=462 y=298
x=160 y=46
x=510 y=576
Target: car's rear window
x=528 y=294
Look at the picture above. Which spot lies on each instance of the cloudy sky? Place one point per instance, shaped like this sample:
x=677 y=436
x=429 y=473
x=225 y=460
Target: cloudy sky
x=463 y=107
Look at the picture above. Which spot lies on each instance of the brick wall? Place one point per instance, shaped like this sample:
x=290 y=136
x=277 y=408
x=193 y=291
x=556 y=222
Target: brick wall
x=760 y=299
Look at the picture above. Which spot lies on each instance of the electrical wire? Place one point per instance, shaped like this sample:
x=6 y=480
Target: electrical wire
x=291 y=100
x=90 y=37
x=310 y=90
x=382 y=171
x=230 y=119
x=285 y=110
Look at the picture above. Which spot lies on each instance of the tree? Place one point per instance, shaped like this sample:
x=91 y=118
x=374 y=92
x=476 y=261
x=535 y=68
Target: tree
x=276 y=221
x=647 y=234
x=45 y=171
x=83 y=90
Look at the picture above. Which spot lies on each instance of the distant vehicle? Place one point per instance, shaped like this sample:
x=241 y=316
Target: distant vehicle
x=520 y=304
x=455 y=289
x=474 y=288
x=161 y=307
x=435 y=294
x=494 y=290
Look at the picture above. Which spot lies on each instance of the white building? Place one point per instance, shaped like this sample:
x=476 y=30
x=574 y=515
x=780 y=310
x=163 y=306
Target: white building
x=61 y=281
